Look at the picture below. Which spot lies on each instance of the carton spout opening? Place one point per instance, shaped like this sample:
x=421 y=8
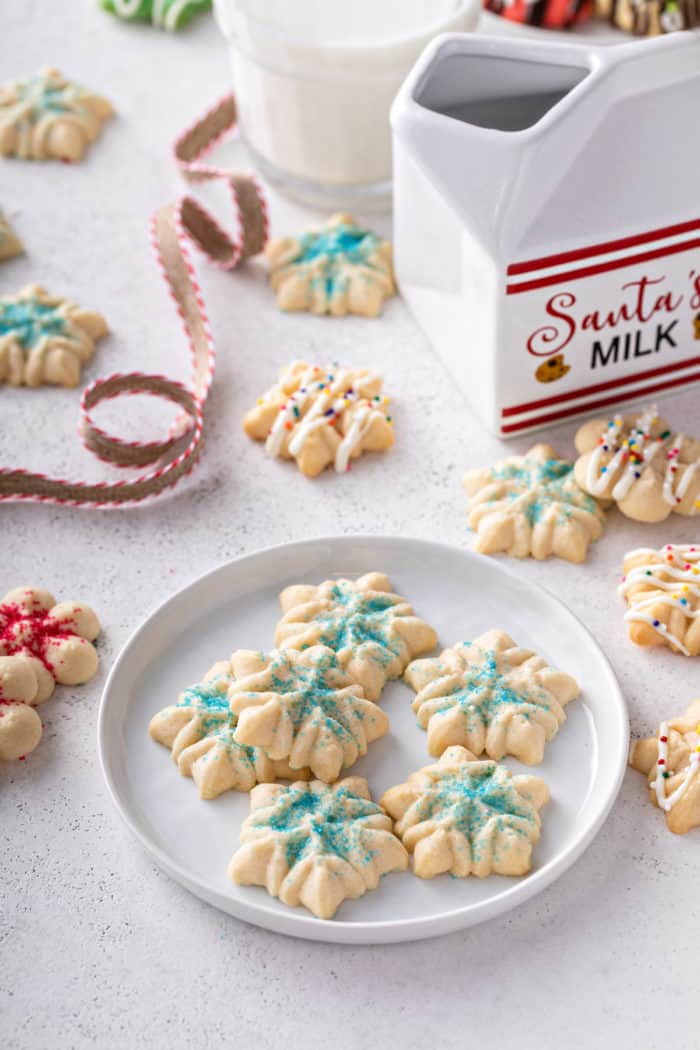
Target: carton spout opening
x=495 y=91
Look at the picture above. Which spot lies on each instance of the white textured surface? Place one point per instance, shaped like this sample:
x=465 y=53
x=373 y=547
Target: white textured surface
x=97 y=948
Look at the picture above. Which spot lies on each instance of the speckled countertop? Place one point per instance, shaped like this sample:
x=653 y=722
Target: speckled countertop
x=97 y=947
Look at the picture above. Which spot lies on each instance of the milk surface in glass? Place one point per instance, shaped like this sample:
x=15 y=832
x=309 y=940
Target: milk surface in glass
x=314 y=81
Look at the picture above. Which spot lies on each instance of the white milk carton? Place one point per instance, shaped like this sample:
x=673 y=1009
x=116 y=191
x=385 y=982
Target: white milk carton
x=547 y=220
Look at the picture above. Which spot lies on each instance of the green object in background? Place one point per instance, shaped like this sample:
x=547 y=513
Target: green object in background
x=166 y=14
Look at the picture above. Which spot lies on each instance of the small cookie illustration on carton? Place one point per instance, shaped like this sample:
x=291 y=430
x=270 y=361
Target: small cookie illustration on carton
x=552 y=369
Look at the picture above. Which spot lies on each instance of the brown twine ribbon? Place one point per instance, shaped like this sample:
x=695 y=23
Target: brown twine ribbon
x=171 y=227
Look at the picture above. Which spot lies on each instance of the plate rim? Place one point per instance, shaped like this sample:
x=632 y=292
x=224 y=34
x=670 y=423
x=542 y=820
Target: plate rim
x=296 y=922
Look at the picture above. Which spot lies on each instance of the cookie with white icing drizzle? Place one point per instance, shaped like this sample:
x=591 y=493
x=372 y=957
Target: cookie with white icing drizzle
x=641 y=463
x=322 y=416
x=671 y=762
x=662 y=591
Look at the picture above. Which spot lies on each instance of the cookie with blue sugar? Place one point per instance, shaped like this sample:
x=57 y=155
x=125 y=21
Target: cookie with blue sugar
x=373 y=631
x=336 y=268
x=532 y=506
x=47 y=117
x=467 y=817
x=45 y=338
x=316 y=844
x=491 y=696
x=303 y=708
x=200 y=731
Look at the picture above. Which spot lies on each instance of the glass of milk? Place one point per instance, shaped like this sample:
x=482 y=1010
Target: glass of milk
x=314 y=81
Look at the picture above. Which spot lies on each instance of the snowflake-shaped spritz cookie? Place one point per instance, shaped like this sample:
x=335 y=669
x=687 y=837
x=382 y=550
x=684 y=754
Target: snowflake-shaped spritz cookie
x=373 y=631
x=490 y=696
x=322 y=416
x=671 y=762
x=45 y=339
x=638 y=461
x=41 y=643
x=662 y=590
x=199 y=730
x=48 y=116
x=338 y=268
x=165 y=14
x=316 y=844
x=302 y=707
x=10 y=245
x=467 y=817
x=531 y=505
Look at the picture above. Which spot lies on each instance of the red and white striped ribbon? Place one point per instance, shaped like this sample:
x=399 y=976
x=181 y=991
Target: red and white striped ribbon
x=170 y=229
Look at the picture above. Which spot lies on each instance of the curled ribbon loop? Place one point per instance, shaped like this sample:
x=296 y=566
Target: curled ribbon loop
x=171 y=227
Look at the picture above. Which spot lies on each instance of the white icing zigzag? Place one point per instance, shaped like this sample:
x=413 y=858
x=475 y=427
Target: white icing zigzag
x=672 y=569
x=632 y=455
x=668 y=802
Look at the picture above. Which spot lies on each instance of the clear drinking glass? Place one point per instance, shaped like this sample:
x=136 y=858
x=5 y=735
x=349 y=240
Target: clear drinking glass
x=314 y=82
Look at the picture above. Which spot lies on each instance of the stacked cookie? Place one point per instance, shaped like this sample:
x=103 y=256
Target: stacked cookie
x=308 y=709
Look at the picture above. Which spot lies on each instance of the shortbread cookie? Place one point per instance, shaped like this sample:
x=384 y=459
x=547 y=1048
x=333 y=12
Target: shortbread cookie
x=662 y=590
x=316 y=844
x=373 y=631
x=10 y=244
x=199 y=730
x=55 y=638
x=490 y=696
x=302 y=707
x=671 y=761
x=640 y=463
x=45 y=339
x=531 y=505
x=20 y=725
x=337 y=268
x=320 y=416
x=48 y=116
x=165 y=14
x=467 y=817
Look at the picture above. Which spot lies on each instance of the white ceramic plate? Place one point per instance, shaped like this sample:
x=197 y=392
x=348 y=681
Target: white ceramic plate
x=461 y=595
